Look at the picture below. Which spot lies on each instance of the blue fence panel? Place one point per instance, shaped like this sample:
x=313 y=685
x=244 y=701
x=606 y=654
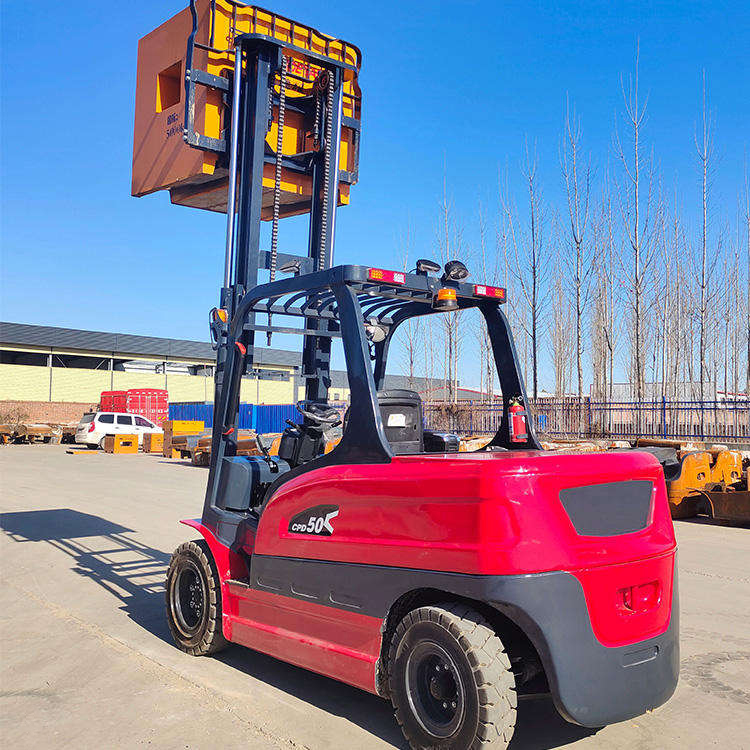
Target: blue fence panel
x=246 y=417
x=271 y=417
x=193 y=411
x=263 y=418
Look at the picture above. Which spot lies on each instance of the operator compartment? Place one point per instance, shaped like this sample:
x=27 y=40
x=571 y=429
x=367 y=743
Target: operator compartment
x=302 y=442
x=184 y=149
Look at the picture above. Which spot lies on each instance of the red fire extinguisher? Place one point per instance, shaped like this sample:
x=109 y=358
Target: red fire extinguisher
x=517 y=421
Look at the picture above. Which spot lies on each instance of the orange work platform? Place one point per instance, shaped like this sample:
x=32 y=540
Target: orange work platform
x=190 y=158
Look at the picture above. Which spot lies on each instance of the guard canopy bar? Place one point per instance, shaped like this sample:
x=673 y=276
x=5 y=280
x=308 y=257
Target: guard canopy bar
x=384 y=296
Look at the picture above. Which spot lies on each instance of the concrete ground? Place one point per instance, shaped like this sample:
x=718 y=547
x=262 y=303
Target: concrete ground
x=87 y=661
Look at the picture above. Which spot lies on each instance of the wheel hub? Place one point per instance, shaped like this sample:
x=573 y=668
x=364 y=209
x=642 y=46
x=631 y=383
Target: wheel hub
x=442 y=684
x=435 y=689
x=189 y=599
x=195 y=603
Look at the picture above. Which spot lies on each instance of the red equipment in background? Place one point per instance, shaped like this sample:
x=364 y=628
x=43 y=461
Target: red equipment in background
x=152 y=403
x=113 y=401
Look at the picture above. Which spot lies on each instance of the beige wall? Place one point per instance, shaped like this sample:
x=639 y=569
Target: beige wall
x=78 y=384
x=24 y=383
x=73 y=384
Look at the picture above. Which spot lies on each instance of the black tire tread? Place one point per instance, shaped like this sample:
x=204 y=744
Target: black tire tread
x=213 y=639
x=490 y=666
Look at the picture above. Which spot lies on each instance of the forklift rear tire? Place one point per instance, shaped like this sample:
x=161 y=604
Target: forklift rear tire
x=450 y=680
x=193 y=598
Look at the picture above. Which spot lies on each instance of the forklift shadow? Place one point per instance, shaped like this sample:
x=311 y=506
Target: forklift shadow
x=367 y=711
x=104 y=552
x=540 y=727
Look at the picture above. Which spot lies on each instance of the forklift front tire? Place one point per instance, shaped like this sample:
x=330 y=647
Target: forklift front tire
x=193 y=599
x=450 y=680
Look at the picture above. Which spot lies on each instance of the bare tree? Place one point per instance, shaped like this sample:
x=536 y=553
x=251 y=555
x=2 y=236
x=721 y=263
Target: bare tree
x=411 y=329
x=562 y=337
x=635 y=212
x=530 y=255
x=450 y=246
x=704 y=147
x=747 y=270
x=489 y=267
x=576 y=170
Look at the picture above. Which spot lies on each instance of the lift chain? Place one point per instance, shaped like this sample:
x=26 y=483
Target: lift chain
x=316 y=122
x=277 y=178
x=327 y=166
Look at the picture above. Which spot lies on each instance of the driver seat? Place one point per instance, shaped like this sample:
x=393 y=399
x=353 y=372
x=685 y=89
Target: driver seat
x=303 y=442
x=401 y=412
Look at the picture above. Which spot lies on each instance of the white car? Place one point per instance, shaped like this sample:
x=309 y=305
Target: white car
x=95 y=426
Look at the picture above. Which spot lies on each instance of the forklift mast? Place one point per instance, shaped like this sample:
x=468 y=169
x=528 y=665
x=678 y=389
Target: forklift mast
x=241 y=110
x=266 y=61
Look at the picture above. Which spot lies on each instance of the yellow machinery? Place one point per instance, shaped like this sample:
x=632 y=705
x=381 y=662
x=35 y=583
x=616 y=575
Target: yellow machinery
x=727 y=496
x=684 y=487
x=153 y=442
x=183 y=107
x=716 y=488
x=727 y=467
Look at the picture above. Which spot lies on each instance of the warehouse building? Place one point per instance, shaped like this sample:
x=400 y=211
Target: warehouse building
x=64 y=365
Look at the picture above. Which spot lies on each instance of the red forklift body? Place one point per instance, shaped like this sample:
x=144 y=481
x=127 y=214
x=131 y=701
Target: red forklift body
x=577 y=550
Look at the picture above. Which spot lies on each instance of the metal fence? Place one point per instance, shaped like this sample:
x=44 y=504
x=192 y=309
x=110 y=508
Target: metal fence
x=584 y=418
x=554 y=418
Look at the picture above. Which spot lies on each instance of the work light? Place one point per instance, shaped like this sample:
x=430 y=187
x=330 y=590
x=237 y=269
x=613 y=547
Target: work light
x=455 y=271
x=425 y=266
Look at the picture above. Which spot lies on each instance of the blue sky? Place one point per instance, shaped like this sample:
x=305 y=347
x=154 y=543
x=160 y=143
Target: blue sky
x=446 y=86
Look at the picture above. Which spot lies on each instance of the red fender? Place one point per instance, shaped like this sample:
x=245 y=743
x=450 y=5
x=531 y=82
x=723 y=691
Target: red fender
x=229 y=565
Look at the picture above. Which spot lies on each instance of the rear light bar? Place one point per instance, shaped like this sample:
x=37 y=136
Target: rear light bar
x=496 y=292
x=389 y=277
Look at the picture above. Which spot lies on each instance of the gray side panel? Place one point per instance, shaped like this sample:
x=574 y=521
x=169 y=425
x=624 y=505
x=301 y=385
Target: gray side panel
x=592 y=685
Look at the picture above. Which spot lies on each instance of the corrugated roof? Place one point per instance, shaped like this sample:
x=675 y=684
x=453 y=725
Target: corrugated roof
x=22 y=334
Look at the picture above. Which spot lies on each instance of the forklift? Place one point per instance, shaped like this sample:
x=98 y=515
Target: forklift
x=453 y=584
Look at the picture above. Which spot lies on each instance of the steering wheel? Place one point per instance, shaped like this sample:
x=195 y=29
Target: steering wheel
x=322 y=415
